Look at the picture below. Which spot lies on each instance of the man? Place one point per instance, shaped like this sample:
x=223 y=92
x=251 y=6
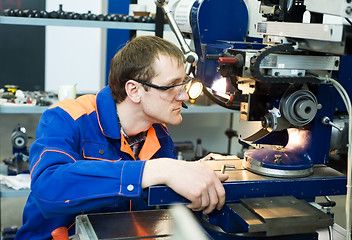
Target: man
x=90 y=154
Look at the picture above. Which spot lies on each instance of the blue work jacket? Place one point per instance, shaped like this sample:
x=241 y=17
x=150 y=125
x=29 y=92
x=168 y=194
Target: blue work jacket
x=81 y=163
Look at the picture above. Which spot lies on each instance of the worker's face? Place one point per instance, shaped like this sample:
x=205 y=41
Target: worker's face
x=165 y=106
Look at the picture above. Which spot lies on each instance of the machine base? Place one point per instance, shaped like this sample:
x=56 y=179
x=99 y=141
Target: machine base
x=271 y=216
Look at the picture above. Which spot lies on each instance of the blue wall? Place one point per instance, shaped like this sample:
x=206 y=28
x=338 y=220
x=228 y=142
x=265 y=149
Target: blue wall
x=116 y=38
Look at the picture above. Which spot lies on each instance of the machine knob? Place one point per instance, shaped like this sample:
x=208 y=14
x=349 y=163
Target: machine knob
x=28 y=13
x=44 y=14
x=10 y=12
x=101 y=17
x=149 y=19
x=142 y=19
x=53 y=14
x=76 y=16
x=326 y=121
x=268 y=122
x=306 y=109
x=123 y=18
x=19 y=137
x=190 y=59
x=116 y=17
x=108 y=17
x=19 y=13
x=84 y=16
x=130 y=19
x=92 y=16
x=299 y=107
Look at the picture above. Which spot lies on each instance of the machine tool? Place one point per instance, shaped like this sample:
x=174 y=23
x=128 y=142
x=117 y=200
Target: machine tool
x=18 y=162
x=281 y=61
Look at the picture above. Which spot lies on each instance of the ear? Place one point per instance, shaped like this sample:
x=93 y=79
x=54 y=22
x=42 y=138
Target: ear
x=132 y=92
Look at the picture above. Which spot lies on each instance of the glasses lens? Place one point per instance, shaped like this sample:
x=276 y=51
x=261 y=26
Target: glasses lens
x=176 y=91
x=184 y=88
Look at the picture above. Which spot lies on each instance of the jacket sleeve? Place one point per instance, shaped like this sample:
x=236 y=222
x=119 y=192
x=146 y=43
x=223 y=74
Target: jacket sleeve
x=63 y=183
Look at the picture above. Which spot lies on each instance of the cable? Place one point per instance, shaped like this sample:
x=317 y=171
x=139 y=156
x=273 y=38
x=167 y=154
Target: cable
x=348 y=20
x=347 y=102
x=330 y=233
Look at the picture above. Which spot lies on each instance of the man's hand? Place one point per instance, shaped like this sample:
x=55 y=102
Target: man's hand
x=192 y=180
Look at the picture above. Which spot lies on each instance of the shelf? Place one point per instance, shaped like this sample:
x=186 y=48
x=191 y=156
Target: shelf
x=10 y=192
x=205 y=109
x=7 y=192
x=6 y=109
x=192 y=109
x=79 y=23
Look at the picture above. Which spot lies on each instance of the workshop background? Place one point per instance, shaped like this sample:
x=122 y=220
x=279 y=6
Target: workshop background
x=43 y=58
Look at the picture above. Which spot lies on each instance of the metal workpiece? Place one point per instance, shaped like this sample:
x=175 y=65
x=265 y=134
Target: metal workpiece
x=176 y=223
x=292 y=161
x=257 y=167
x=154 y=224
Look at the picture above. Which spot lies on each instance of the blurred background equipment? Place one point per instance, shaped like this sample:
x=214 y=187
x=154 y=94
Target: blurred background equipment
x=18 y=162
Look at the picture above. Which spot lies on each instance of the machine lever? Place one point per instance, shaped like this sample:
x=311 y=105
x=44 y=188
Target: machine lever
x=326 y=121
x=191 y=57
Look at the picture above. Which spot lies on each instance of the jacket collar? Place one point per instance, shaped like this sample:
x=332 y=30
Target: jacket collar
x=107 y=114
x=110 y=127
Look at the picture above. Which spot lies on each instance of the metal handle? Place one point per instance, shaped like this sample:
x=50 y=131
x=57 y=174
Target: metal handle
x=191 y=57
x=326 y=121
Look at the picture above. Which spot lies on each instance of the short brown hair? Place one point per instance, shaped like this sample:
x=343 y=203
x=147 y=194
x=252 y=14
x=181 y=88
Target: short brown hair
x=136 y=61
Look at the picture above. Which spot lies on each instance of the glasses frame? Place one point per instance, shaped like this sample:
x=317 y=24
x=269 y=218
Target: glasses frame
x=162 y=88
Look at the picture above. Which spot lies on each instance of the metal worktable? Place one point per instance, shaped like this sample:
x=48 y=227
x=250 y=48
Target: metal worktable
x=242 y=183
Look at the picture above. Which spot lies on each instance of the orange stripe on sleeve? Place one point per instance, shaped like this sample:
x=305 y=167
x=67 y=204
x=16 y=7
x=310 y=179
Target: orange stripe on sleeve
x=40 y=157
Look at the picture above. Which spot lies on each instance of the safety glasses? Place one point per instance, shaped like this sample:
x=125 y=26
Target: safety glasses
x=170 y=92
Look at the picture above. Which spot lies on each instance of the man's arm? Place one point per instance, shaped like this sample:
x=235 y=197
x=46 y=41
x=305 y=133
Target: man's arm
x=192 y=180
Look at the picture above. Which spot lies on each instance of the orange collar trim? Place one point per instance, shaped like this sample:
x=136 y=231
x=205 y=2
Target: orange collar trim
x=150 y=147
x=125 y=147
